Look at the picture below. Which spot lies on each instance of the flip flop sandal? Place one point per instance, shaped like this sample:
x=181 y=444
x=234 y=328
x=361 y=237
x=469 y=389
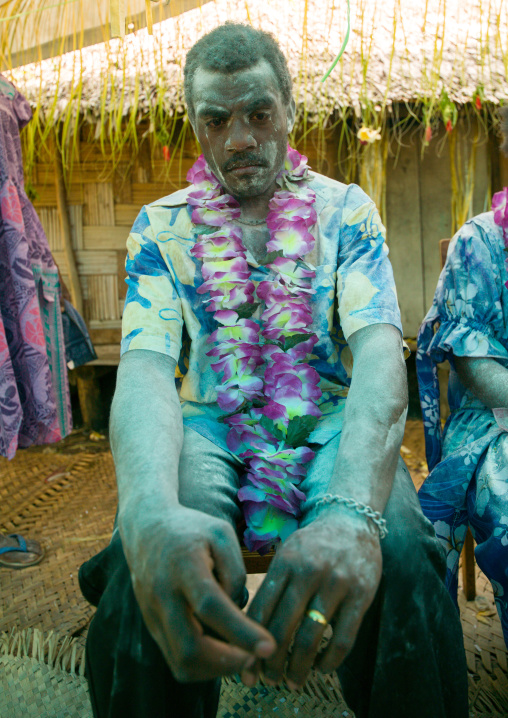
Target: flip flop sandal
x=24 y=549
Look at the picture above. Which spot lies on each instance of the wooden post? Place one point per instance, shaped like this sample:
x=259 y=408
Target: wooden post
x=117 y=17
x=149 y=17
x=89 y=395
x=63 y=211
x=468 y=567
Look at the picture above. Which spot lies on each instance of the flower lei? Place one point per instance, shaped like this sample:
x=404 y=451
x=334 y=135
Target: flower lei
x=500 y=209
x=268 y=389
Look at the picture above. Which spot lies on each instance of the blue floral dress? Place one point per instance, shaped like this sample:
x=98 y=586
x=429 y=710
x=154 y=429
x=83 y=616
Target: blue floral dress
x=468 y=459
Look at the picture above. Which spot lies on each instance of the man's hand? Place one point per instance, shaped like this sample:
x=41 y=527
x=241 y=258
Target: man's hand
x=332 y=565
x=186 y=570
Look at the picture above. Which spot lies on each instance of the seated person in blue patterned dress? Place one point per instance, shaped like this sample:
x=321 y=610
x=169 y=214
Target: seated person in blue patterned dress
x=259 y=285
x=468 y=461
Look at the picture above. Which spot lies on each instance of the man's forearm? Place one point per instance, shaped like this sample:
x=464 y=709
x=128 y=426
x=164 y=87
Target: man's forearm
x=374 y=422
x=146 y=436
x=486 y=378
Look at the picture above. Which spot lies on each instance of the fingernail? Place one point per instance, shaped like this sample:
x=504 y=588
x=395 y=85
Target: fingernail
x=264 y=649
x=249 y=679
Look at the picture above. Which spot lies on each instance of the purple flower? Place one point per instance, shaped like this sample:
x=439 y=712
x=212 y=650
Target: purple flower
x=500 y=209
x=287 y=317
x=226 y=268
x=244 y=330
x=200 y=173
x=247 y=434
x=289 y=207
x=304 y=348
x=295 y=165
x=266 y=526
x=291 y=274
x=214 y=216
x=219 y=245
x=294 y=241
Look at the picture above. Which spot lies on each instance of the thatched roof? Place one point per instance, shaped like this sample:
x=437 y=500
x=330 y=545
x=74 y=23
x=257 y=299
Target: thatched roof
x=399 y=50
x=32 y=30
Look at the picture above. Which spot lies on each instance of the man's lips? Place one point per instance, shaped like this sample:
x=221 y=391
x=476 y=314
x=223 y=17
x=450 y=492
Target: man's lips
x=245 y=170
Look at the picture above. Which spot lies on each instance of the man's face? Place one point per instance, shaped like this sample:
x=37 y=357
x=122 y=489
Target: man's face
x=242 y=124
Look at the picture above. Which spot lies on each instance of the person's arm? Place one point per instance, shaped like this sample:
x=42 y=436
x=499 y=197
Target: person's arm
x=486 y=378
x=334 y=563
x=375 y=417
x=186 y=566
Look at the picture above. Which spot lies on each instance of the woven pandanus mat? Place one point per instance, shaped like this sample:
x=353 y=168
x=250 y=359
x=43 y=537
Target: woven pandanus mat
x=320 y=698
x=42 y=676
x=483 y=636
x=486 y=652
x=68 y=502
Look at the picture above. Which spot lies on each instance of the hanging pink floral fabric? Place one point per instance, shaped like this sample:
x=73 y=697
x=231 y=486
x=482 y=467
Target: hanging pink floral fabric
x=34 y=392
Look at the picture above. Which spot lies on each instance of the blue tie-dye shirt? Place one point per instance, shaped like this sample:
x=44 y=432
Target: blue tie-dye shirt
x=164 y=313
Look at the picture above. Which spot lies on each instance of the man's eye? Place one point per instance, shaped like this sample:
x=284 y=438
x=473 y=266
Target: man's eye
x=215 y=122
x=260 y=116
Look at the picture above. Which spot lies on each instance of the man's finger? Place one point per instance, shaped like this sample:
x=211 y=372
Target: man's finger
x=282 y=625
x=221 y=659
x=345 y=630
x=191 y=655
x=215 y=609
x=229 y=565
x=268 y=595
x=310 y=634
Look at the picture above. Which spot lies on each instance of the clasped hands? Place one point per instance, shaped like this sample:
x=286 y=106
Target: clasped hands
x=188 y=575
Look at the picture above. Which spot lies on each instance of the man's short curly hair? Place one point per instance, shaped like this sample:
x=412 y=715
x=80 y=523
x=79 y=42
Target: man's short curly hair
x=232 y=47
x=503 y=115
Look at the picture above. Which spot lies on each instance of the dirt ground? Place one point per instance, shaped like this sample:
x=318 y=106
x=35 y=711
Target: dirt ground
x=413 y=451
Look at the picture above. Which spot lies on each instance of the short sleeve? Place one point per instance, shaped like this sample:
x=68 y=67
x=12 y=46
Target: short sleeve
x=466 y=318
x=366 y=287
x=152 y=317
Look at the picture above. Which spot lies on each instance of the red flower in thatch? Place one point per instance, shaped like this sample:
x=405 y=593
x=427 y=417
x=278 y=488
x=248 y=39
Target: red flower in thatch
x=166 y=153
x=428 y=134
x=449 y=126
x=478 y=102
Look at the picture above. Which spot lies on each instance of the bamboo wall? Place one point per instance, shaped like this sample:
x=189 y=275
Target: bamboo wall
x=102 y=206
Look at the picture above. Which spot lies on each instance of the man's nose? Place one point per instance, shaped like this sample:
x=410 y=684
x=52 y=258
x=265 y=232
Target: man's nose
x=240 y=138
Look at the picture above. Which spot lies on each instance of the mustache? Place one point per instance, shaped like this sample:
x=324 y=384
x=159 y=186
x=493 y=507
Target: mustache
x=246 y=160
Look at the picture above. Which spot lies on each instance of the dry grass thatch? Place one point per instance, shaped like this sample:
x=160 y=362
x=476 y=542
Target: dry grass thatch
x=399 y=50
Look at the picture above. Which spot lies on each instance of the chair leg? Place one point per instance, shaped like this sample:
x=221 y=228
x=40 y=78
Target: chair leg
x=468 y=567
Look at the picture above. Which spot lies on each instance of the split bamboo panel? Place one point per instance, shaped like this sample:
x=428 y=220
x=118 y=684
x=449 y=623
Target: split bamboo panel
x=98 y=204
x=51 y=224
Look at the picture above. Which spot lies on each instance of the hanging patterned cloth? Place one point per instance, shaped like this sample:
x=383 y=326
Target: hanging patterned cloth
x=34 y=390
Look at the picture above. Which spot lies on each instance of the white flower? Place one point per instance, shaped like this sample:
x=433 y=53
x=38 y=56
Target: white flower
x=368 y=135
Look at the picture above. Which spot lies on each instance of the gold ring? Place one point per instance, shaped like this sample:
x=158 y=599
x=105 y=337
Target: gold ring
x=316 y=616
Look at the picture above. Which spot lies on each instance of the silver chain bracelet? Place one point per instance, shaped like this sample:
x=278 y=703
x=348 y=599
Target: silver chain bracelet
x=360 y=508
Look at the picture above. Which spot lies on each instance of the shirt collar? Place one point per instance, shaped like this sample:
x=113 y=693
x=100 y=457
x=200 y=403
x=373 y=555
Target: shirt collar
x=180 y=197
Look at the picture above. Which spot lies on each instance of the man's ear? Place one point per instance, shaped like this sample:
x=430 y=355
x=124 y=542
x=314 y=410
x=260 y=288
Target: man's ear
x=291 y=111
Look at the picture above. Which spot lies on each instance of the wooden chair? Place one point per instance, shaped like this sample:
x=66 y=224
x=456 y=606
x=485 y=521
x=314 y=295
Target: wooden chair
x=254 y=563
x=468 y=562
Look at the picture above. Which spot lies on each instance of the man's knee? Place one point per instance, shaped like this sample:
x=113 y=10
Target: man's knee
x=208 y=478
